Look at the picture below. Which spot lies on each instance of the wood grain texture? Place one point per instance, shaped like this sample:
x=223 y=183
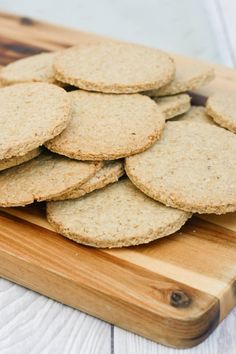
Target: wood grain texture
x=169 y=291
x=149 y=282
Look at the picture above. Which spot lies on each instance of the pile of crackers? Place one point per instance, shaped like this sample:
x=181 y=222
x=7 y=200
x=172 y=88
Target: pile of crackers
x=106 y=135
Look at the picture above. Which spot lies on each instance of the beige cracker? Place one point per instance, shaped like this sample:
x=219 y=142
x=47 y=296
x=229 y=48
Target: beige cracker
x=113 y=67
x=115 y=216
x=108 y=126
x=109 y=173
x=42 y=178
x=189 y=76
x=222 y=108
x=195 y=114
x=190 y=168
x=173 y=106
x=36 y=68
x=31 y=114
x=14 y=161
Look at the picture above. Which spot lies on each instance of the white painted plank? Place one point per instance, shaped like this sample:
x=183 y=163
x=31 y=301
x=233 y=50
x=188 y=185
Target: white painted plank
x=215 y=18
x=221 y=341
x=31 y=323
x=227 y=8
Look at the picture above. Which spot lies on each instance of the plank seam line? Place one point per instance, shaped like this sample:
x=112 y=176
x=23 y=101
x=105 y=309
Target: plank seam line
x=112 y=339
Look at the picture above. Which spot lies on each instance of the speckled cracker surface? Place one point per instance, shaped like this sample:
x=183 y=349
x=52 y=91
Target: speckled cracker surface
x=109 y=173
x=173 y=106
x=115 y=216
x=191 y=168
x=222 y=108
x=36 y=68
x=113 y=67
x=31 y=114
x=14 y=161
x=42 y=178
x=108 y=126
x=189 y=76
x=196 y=114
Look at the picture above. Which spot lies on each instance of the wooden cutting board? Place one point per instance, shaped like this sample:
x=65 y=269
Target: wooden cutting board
x=174 y=291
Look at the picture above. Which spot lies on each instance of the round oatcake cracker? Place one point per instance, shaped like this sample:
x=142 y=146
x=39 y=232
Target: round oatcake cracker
x=189 y=76
x=109 y=173
x=196 y=114
x=113 y=67
x=222 y=108
x=108 y=127
x=115 y=216
x=42 y=178
x=173 y=106
x=36 y=68
x=191 y=168
x=18 y=160
x=31 y=114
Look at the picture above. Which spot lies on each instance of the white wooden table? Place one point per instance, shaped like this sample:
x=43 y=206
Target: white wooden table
x=31 y=323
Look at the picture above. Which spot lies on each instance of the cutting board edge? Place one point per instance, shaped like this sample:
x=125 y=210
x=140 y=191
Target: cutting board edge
x=210 y=318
